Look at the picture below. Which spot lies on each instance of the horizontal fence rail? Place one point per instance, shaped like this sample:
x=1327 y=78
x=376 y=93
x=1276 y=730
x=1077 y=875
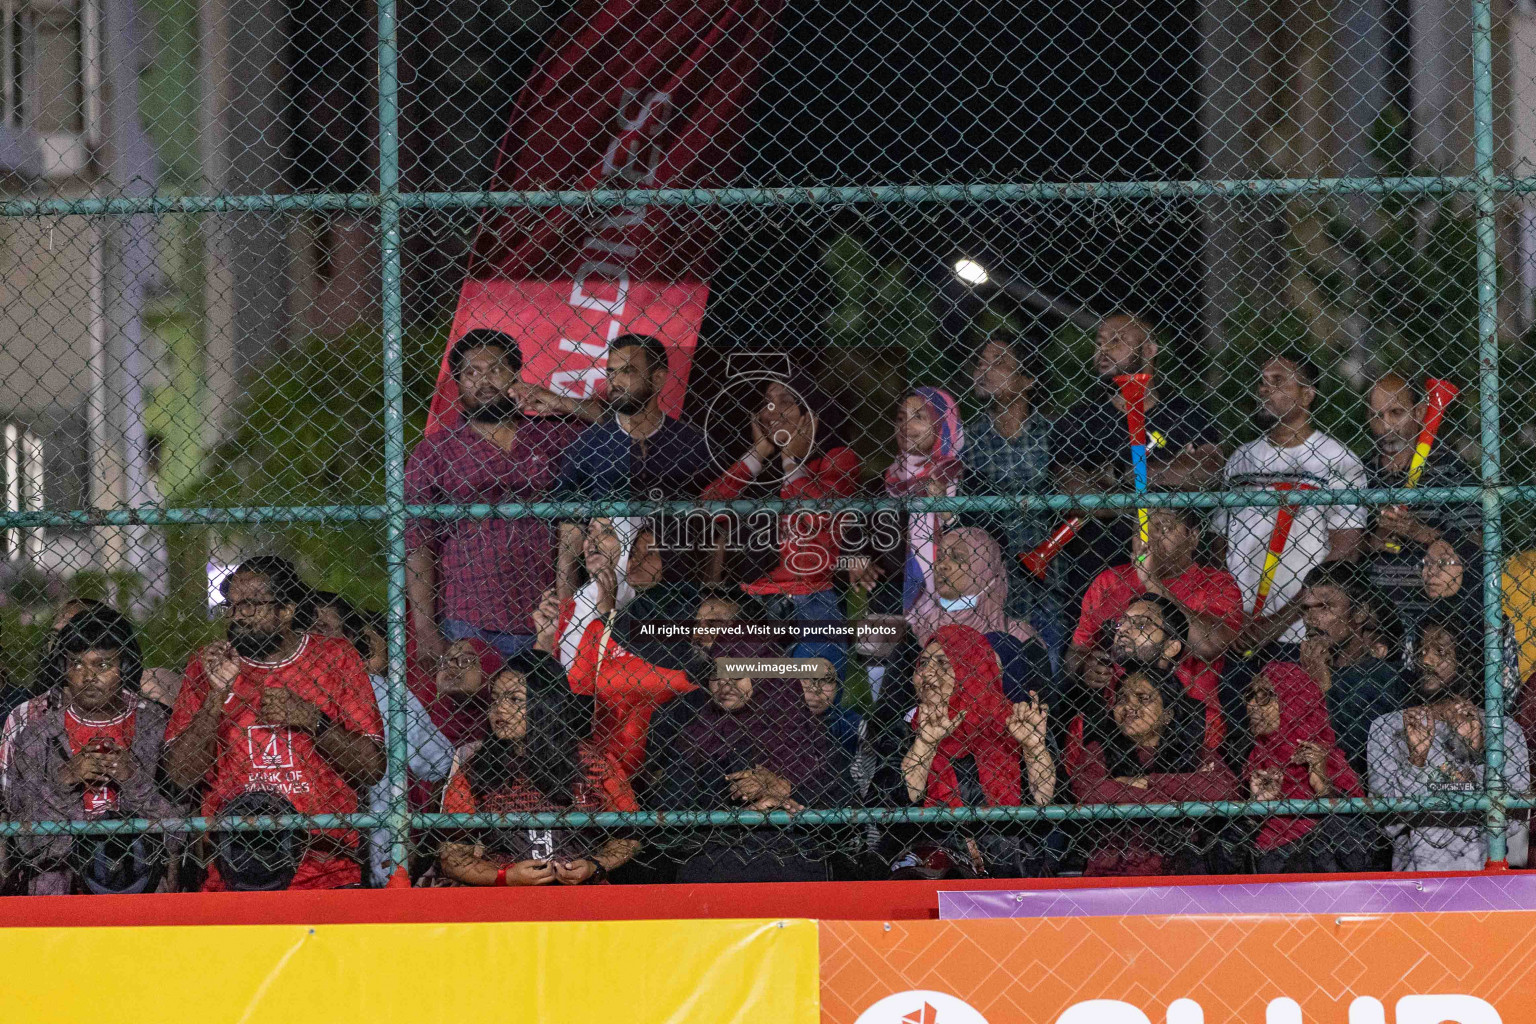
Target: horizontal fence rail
x=151 y=516
x=1337 y=258
x=1249 y=188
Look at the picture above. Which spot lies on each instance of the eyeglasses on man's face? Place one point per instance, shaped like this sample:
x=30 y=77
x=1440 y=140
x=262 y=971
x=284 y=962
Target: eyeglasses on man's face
x=233 y=609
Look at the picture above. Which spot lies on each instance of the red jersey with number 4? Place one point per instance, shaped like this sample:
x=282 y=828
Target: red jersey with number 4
x=105 y=734
x=256 y=755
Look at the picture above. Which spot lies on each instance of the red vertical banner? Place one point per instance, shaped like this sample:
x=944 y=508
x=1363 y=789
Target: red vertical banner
x=631 y=94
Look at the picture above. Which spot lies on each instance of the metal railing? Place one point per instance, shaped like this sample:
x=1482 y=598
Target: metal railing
x=1485 y=186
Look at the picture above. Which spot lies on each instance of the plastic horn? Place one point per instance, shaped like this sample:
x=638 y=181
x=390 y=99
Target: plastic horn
x=1133 y=389
x=1038 y=559
x=1285 y=516
x=1440 y=394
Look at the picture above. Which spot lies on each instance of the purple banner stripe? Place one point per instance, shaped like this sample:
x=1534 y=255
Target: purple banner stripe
x=1375 y=896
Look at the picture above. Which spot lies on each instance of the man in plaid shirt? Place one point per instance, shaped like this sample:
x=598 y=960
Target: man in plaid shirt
x=481 y=578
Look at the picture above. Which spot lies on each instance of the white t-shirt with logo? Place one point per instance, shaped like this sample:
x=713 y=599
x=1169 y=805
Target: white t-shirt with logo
x=1318 y=462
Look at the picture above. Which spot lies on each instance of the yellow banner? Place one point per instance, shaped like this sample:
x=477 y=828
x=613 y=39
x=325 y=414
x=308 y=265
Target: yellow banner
x=634 y=972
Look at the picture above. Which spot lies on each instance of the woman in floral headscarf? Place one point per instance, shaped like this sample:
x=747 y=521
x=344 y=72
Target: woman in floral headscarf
x=937 y=578
x=928 y=442
x=930 y=437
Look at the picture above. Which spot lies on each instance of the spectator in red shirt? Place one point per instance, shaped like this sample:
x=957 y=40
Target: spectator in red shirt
x=538 y=758
x=482 y=577
x=796 y=453
x=277 y=711
x=1150 y=748
x=1296 y=756
x=968 y=743
x=628 y=687
x=22 y=704
x=92 y=751
x=1165 y=567
x=17 y=703
x=630 y=675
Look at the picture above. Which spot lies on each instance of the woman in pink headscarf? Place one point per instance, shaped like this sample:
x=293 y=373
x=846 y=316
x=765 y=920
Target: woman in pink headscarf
x=968 y=586
x=928 y=438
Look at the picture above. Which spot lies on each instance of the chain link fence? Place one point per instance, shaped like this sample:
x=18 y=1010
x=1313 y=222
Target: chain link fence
x=747 y=439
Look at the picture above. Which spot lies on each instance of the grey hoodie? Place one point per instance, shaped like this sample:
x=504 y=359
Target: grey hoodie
x=1451 y=767
x=33 y=791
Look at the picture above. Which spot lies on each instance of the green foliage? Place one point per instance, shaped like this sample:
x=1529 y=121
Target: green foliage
x=1070 y=360
x=882 y=305
x=175 y=411
x=882 y=328
x=312 y=433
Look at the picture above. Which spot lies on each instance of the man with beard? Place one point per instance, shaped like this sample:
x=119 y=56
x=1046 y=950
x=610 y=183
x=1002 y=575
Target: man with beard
x=1151 y=747
x=482 y=578
x=1339 y=654
x=1165 y=568
x=640 y=454
x=1149 y=632
x=273 y=710
x=1151 y=636
x=1444 y=534
x=1434 y=746
x=1291 y=454
x=1092 y=450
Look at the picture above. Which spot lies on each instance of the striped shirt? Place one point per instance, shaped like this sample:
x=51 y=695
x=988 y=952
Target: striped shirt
x=490 y=572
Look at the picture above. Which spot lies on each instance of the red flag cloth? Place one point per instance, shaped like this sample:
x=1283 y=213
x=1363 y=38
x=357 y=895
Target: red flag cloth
x=630 y=94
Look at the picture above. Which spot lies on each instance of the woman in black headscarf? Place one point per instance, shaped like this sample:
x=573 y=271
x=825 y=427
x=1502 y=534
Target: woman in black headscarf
x=1150 y=749
x=751 y=744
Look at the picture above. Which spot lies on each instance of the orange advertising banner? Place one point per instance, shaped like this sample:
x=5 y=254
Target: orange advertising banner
x=1466 y=968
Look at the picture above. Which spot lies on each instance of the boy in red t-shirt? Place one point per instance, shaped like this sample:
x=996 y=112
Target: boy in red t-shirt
x=275 y=710
x=89 y=748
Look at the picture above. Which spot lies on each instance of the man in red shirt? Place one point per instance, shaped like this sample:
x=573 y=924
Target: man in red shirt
x=275 y=710
x=90 y=749
x=1164 y=567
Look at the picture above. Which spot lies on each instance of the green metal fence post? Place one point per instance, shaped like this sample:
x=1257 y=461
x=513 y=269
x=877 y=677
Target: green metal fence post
x=394 y=429
x=1488 y=398
x=1483 y=186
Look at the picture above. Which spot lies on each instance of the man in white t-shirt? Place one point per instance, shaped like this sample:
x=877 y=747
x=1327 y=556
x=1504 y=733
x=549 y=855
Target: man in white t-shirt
x=1292 y=455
